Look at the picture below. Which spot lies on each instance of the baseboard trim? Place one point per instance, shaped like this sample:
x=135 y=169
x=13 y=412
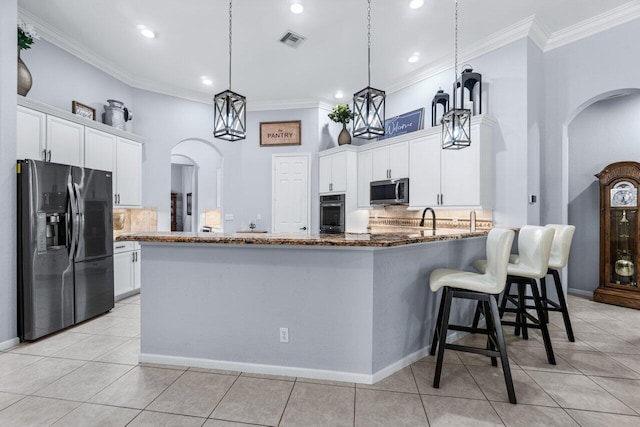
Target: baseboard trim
x=9 y=343
x=580 y=292
x=255 y=368
x=318 y=374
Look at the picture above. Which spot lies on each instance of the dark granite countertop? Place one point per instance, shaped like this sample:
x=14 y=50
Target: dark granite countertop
x=357 y=240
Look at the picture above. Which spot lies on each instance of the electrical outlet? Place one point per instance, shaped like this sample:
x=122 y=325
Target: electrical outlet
x=284 y=334
x=455 y=221
x=228 y=217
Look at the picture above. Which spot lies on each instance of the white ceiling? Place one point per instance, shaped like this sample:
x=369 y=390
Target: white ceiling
x=192 y=37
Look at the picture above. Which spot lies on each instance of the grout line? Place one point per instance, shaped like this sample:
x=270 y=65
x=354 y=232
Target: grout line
x=287 y=402
x=223 y=396
x=424 y=408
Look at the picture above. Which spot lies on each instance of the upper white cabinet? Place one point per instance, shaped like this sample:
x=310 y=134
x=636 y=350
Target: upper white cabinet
x=333 y=173
x=424 y=176
x=128 y=173
x=49 y=134
x=365 y=176
x=99 y=150
x=391 y=161
x=65 y=141
x=31 y=134
x=453 y=178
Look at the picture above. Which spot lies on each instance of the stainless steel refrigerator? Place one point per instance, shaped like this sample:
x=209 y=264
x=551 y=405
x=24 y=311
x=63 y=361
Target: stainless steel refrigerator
x=65 y=246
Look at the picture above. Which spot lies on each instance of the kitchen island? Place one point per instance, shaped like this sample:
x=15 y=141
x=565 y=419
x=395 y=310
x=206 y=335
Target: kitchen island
x=356 y=307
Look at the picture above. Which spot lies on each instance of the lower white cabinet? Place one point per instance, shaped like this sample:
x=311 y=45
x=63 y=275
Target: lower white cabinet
x=126 y=268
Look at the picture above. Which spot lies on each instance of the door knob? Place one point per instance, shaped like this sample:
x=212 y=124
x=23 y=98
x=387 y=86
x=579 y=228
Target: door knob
x=303 y=228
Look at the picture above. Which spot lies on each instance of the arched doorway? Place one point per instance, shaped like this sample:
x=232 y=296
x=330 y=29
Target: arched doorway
x=602 y=131
x=204 y=199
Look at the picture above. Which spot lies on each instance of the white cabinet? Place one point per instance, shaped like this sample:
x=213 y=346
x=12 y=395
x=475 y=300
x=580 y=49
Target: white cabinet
x=126 y=268
x=365 y=176
x=424 y=176
x=31 y=134
x=391 y=161
x=99 y=149
x=453 y=178
x=127 y=180
x=49 y=134
x=332 y=173
x=65 y=141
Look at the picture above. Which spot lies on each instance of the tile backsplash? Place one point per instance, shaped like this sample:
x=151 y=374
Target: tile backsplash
x=134 y=220
x=395 y=217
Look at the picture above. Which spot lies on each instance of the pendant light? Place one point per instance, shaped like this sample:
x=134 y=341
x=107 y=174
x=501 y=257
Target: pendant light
x=230 y=116
x=456 y=123
x=368 y=104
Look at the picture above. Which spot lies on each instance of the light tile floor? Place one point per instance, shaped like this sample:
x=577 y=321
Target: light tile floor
x=89 y=375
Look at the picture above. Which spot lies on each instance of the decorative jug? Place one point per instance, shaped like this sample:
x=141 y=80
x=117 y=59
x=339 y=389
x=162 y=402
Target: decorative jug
x=116 y=114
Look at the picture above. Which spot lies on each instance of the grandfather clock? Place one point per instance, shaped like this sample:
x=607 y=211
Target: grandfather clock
x=619 y=235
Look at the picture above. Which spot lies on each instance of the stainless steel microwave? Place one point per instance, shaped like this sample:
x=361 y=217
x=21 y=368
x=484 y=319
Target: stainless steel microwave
x=390 y=192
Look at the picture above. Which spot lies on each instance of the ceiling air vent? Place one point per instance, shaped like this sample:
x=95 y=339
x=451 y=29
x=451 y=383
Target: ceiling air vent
x=292 y=39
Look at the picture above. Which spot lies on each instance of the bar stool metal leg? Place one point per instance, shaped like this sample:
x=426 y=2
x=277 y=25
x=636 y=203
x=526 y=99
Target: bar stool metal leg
x=502 y=346
x=543 y=325
x=436 y=332
x=563 y=305
x=442 y=338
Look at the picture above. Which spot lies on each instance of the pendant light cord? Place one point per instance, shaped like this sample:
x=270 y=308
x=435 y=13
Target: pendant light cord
x=455 y=59
x=230 y=3
x=369 y=42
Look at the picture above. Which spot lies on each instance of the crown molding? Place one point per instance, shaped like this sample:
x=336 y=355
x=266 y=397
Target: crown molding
x=530 y=27
x=494 y=41
x=609 y=19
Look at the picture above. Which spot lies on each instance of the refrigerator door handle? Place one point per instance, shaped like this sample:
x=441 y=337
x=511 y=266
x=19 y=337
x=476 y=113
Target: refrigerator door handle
x=74 y=223
x=79 y=215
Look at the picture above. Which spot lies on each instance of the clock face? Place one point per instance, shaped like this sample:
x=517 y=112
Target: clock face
x=624 y=194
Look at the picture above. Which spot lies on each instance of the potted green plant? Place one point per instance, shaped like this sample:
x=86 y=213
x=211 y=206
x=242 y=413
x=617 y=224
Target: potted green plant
x=341 y=113
x=26 y=36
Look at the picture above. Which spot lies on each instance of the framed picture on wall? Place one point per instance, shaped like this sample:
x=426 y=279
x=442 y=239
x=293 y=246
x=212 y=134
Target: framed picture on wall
x=273 y=134
x=82 y=110
x=189 y=203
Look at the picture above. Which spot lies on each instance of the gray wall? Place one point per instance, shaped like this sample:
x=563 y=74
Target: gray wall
x=8 y=85
x=576 y=75
x=504 y=79
x=610 y=129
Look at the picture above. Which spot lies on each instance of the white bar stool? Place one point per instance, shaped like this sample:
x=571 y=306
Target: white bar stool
x=531 y=263
x=557 y=261
x=480 y=287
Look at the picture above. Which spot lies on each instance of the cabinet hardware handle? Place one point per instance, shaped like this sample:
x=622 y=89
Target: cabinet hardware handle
x=49 y=156
x=44 y=155
x=120 y=247
x=303 y=228
x=133 y=257
x=442 y=199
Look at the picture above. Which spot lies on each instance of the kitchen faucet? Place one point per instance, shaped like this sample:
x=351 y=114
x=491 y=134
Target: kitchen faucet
x=433 y=219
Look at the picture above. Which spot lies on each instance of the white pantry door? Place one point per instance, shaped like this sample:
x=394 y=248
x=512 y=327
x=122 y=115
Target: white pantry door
x=291 y=193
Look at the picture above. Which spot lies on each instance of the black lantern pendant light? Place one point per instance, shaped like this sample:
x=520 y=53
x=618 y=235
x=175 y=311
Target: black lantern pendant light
x=442 y=99
x=456 y=123
x=230 y=115
x=368 y=104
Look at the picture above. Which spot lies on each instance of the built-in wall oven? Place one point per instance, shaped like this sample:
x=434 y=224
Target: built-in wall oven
x=332 y=214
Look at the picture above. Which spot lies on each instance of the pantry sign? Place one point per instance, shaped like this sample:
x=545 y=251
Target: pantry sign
x=280 y=133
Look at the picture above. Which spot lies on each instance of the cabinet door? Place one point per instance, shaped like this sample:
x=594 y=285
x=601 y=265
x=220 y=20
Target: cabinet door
x=324 y=177
x=424 y=171
x=99 y=149
x=122 y=272
x=399 y=160
x=31 y=133
x=128 y=172
x=461 y=176
x=65 y=139
x=136 y=269
x=339 y=172
x=380 y=163
x=365 y=176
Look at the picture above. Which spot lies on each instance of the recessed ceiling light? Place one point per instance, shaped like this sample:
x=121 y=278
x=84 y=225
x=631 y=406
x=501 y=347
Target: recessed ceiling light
x=339 y=95
x=146 y=32
x=296 y=8
x=415 y=4
x=414 y=58
x=207 y=81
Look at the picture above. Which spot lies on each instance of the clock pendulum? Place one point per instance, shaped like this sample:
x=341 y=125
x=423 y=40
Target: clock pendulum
x=624 y=267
